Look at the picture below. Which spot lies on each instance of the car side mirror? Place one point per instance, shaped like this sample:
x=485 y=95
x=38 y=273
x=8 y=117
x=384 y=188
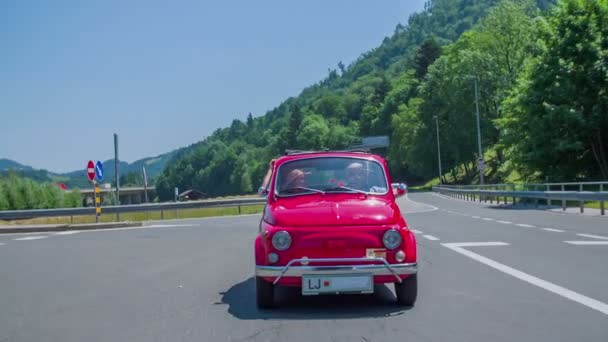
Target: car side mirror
x=263 y=192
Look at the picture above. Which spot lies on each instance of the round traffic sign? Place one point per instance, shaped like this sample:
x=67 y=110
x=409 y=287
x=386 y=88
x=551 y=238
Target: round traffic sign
x=91 y=170
x=99 y=170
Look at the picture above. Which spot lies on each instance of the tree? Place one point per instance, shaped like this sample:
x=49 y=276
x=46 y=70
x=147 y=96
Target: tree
x=314 y=132
x=556 y=120
x=295 y=120
x=426 y=54
x=4 y=204
x=72 y=199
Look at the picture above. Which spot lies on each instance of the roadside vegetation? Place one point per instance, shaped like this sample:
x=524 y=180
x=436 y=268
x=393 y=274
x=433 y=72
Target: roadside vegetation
x=541 y=73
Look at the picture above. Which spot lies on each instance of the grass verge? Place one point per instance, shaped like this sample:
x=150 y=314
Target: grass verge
x=145 y=216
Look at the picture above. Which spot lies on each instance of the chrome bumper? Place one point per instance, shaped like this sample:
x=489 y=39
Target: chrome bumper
x=375 y=269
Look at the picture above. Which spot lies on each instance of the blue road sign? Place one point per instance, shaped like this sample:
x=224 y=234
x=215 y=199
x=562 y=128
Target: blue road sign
x=99 y=171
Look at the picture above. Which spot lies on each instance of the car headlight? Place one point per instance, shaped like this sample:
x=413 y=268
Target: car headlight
x=281 y=240
x=392 y=239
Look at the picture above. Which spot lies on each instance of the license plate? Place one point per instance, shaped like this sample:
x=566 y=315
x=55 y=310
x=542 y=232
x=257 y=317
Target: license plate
x=343 y=283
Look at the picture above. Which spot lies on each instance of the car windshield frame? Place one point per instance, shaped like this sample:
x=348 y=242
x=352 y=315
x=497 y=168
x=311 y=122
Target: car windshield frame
x=323 y=191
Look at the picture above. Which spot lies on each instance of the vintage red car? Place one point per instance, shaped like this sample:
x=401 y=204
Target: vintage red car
x=331 y=226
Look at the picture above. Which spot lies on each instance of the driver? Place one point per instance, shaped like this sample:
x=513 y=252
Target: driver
x=354 y=176
x=356 y=179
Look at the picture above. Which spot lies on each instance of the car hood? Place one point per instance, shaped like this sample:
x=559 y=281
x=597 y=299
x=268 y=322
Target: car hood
x=328 y=212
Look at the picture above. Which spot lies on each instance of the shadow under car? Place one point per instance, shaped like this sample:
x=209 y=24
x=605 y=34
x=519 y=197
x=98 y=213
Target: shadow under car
x=290 y=304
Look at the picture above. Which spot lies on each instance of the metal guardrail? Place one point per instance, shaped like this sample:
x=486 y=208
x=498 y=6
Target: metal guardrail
x=162 y=207
x=493 y=192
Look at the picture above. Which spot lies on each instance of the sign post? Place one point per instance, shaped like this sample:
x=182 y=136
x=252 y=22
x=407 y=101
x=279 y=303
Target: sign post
x=95 y=174
x=91 y=174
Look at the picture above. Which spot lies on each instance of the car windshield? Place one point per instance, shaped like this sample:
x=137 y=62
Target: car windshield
x=330 y=174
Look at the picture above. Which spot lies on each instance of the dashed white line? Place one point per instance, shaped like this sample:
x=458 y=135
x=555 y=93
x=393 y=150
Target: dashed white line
x=504 y=222
x=31 y=238
x=431 y=237
x=561 y=291
x=588 y=243
x=475 y=217
x=553 y=230
x=594 y=236
x=416 y=231
x=488 y=219
x=525 y=225
x=68 y=232
x=1 y=243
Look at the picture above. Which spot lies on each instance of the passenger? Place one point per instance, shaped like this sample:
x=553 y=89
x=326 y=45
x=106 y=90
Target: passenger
x=294 y=179
x=264 y=185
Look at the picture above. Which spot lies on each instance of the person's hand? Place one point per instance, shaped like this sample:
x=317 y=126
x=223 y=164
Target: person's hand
x=271 y=164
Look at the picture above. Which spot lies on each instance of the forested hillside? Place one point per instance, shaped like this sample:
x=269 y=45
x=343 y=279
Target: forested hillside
x=541 y=76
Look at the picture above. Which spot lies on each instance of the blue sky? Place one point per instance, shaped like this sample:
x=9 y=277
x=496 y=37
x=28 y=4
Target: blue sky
x=164 y=74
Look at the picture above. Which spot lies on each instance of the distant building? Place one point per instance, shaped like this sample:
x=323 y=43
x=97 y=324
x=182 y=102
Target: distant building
x=378 y=144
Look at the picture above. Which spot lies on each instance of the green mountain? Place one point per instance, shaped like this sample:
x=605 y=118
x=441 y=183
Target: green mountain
x=366 y=98
x=532 y=73
x=79 y=179
x=7 y=164
x=153 y=165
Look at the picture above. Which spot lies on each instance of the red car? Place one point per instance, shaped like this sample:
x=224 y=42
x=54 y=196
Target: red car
x=331 y=226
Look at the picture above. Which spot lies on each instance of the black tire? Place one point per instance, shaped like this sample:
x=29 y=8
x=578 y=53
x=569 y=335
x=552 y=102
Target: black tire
x=264 y=293
x=407 y=291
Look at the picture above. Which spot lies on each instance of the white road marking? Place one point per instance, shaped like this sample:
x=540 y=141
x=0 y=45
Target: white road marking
x=31 y=238
x=561 y=291
x=475 y=217
x=139 y=227
x=488 y=219
x=169 y=225
x=588 y=243
x=504 y=222
x=525 y=225
x=553 y=230
x=68 y=232
x=1 y=243
x=599 y=237
x=416 y=231
x=431 y=237
x=433 y=208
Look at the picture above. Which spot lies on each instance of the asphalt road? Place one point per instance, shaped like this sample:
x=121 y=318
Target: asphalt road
x=486 y=274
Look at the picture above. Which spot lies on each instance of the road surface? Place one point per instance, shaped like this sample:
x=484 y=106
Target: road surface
x=486 y=274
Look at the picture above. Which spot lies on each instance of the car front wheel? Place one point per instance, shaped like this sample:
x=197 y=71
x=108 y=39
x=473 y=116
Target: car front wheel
x=407 y=290
x=264 y=293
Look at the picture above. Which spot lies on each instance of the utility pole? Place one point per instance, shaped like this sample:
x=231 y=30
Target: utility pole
x=438 y=148
x=480 y=161
x=116 y=174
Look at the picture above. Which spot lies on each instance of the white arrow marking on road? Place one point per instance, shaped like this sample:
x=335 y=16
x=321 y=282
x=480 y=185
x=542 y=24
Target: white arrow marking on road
x=562 y=291
x=31 y=238
x=599 y=237
x=431 y=237
x=504 y=222
x=525 y=225
x=553 y=230
x=588 y=243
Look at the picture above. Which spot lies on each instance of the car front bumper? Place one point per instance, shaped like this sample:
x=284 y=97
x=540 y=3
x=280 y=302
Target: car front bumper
x=383 y=268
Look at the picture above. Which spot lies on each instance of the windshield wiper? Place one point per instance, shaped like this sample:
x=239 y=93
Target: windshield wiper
x=291 y=190
x=337 y=188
